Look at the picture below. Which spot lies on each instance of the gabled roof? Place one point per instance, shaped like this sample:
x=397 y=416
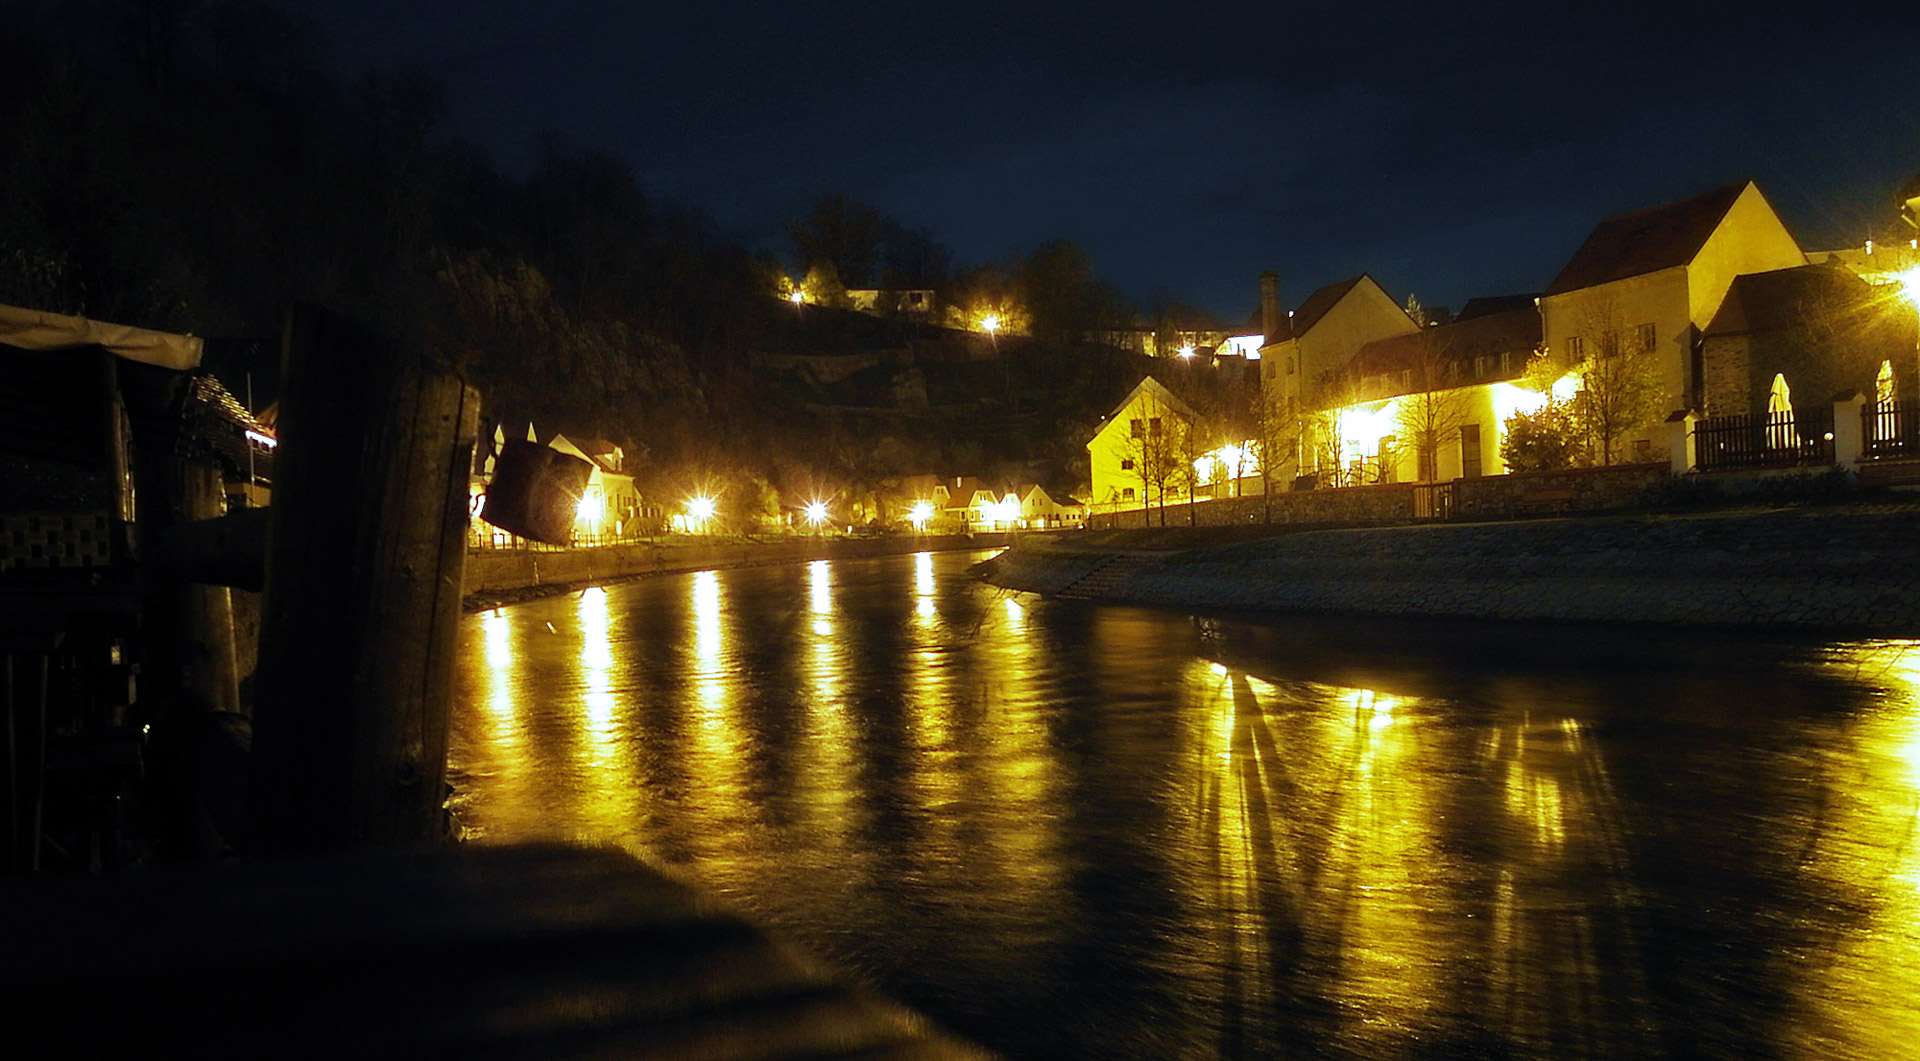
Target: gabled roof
x=1517 y=331
x=1158 y=391
x=1318 y=305
x=1910 y=192
x=1648 y=240
x=1764 y=301
x=1490 y=304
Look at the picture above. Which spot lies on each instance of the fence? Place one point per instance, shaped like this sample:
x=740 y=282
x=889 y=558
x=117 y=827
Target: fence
x=1890 y=429
x=1765 y=440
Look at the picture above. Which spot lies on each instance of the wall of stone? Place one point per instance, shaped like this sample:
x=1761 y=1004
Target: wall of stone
x=1556 y=493
x=1391 y=502
x=495 y=570
x=1855 y=568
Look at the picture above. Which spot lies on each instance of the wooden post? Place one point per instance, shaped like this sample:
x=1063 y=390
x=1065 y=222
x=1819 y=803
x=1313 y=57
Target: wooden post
x=365 y=560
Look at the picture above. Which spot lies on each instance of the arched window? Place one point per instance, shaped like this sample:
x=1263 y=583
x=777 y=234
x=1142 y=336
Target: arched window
x=1884 y=427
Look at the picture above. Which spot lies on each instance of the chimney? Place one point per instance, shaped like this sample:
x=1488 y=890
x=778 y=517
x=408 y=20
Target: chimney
x=1269 y=304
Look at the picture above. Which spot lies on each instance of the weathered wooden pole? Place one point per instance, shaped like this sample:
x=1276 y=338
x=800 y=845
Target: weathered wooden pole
x=365 y=557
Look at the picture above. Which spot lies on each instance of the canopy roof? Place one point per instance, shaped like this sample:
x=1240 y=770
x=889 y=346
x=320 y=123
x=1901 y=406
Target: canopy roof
x=32 y=329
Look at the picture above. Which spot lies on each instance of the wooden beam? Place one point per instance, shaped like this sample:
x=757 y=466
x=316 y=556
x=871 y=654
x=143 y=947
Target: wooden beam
x=365 y=559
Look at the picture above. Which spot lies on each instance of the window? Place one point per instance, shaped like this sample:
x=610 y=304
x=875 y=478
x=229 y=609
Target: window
x=1643 y=336
x=1506 y=362
x=1127 y=494
x=1481 y=365
x=1136 y=428
x=1576 y=349
x=1126 y=465
x=1153 y=427
x=1289 y=364
x=1470 y=451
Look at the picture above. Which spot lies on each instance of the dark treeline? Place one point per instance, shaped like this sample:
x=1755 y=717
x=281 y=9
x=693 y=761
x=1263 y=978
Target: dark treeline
x=197 y=166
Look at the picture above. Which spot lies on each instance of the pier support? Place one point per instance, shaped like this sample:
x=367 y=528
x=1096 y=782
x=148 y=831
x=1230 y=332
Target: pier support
x=365 y=559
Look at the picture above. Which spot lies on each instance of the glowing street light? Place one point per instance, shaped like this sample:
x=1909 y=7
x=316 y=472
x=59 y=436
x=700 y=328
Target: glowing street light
x=797 y=297
x=700 y=509
x=921 y=512
x=1186 y=352
x=990 y=324
x=817 y=512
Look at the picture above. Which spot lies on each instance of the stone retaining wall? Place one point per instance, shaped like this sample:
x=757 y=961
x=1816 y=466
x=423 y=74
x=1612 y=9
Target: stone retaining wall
x=1853 y=568
x=496 y=570
x=1556 y=493
x=1387 y=503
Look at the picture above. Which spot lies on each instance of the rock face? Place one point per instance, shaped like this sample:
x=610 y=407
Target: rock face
x=1814 y=568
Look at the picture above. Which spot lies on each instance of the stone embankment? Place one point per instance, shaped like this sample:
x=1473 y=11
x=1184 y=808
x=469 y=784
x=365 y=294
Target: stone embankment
x=1855 y=567
x=496 y=576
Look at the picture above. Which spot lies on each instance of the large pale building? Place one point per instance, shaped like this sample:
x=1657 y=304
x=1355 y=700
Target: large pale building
x=1305 y=345
x=1653 y=279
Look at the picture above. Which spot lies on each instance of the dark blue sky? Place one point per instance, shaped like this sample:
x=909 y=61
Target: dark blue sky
x=1188 y=147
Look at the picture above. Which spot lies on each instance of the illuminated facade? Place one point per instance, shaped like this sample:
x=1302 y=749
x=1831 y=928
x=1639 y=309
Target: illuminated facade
x=1429 y=406
x=1143 y=450
x=1656 y=277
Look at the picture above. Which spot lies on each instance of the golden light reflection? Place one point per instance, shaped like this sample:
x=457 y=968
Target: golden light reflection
x=820 y=587
x=710 y=678
x=1869 y=853
x=923 y=573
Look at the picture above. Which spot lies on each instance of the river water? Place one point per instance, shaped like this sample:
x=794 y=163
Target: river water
x=1069 y=830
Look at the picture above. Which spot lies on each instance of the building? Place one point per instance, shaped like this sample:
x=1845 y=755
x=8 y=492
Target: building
x=1428 y=406
x=1808 y=334
x=1653 y=279
x=1317 y=339
x=610 y=506
x=1142 y=450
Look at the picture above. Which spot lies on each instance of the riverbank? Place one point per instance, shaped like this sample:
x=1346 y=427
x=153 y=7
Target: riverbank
x=1851 y=567
x=505 y=576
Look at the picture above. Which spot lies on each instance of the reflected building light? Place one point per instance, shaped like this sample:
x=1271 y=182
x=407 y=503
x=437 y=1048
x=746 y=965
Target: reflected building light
x=923 y=573
x=706 y=616
x=820 y=594
x=596 y=658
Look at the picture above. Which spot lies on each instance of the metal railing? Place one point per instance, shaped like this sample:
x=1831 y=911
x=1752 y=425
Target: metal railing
x=1765 y=440
x=1890 y=429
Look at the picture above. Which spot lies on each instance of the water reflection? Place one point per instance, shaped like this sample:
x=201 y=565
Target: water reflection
x=1080 y=831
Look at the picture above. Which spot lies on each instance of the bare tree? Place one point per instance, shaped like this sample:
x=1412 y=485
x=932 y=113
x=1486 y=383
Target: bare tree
x=1620 y=386
x=1432 y=414
x=1158 y=446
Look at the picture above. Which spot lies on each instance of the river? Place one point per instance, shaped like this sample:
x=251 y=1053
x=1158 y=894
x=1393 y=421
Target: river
x=1071 y=830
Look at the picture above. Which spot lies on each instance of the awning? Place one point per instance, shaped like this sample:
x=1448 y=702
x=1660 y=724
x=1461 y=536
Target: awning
x=32 y=329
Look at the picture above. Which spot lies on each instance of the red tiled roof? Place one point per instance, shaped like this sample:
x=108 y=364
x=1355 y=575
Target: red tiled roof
x=1516 y=332
x=1647 y=241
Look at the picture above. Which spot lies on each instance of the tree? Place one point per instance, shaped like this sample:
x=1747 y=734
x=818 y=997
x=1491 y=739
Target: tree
x=1158 y=443
x=1547 y=439
x=840 y=233
x=1064 y=297
x=1433 y=413
x=1620 y=387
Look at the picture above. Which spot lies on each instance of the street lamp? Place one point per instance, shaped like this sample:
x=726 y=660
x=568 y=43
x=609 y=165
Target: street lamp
x=991 y=325
x=699 y=511
x=922 y=512
x=816 y=514
x=1186 y=352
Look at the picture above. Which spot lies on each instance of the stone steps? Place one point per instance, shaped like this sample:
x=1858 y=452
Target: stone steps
x=1096 y=583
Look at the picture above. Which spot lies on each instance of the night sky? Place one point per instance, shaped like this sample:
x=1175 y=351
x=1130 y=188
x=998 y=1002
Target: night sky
x=1188 y=147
